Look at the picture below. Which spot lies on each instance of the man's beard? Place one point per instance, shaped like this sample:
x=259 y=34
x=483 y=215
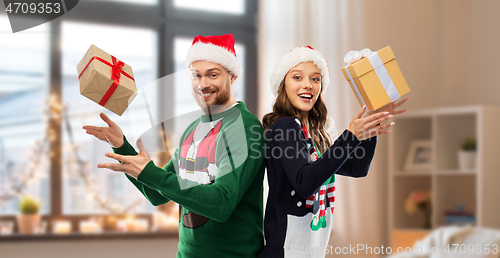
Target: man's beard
x=222 y=97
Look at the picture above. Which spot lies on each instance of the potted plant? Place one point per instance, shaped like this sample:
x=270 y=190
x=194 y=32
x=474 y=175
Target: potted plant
x=422 y=201
x=467 y=155
x=29 y=219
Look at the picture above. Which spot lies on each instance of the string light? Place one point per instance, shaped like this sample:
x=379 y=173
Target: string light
x=23 y=179
x=89 y=180
x=19 y=183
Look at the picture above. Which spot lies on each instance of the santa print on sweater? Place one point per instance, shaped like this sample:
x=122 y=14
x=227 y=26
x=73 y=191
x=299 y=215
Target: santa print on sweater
x=197 y=156
x=326 y=191
x=197 y=163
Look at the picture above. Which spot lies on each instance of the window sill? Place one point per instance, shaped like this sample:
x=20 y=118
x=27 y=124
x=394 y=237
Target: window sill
x=94 y=236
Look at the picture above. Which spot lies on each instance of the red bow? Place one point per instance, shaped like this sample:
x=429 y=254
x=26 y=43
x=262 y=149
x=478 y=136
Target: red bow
x=116 y=72
x=116 y=67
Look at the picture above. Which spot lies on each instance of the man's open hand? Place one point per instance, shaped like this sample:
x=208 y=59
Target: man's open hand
x=112 y=134
x=132 y=165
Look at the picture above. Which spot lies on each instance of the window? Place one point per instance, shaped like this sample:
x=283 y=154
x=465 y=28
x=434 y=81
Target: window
x=224 y=6
x=84 y=184
x=148 y=2
x=23 y=118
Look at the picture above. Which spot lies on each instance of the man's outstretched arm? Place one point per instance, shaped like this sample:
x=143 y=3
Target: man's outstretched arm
x=153 y=196
x=239 y=157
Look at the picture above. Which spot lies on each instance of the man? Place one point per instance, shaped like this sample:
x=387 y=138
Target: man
x=216 y=173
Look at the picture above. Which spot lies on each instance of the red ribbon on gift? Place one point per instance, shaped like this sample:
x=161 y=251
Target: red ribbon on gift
x=115 y=76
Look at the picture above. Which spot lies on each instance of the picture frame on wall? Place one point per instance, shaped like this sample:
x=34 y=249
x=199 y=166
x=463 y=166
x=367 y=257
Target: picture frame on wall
x=420 y=155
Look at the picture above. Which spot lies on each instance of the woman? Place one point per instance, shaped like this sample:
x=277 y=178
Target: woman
x=301 y=159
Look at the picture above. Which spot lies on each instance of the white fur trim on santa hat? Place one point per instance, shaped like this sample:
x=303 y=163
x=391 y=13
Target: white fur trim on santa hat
x=212 y=53
x=331 y=129
x=296 y=56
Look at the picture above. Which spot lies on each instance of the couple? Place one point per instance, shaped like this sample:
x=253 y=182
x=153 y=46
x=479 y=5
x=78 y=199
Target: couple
x=221 y=156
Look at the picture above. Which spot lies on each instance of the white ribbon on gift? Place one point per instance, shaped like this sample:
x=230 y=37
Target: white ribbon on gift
x=378 y=66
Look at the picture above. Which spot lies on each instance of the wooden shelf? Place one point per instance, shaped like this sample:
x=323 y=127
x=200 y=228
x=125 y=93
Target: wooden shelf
x=476 y=189
x=407 y=237
x=455 y=172
x=94 y=236
x=413 y=173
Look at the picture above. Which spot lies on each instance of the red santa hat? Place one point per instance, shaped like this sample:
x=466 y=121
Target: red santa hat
x=294 y=57
x=217 y=49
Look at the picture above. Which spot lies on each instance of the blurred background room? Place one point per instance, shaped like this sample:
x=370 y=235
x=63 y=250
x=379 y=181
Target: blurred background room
x=435 y=169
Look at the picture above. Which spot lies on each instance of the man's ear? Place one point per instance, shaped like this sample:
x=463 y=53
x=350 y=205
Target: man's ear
x=233 y=78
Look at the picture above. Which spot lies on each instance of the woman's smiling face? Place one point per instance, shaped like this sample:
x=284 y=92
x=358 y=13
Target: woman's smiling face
x=303 y=85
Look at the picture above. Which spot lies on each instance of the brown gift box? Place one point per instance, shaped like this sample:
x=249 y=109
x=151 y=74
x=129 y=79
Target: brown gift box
x=370 y=87
x=99 y=73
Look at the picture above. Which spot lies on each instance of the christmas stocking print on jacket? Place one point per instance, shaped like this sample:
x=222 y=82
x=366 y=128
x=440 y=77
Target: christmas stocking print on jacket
x=314 y=219
x=325 y=197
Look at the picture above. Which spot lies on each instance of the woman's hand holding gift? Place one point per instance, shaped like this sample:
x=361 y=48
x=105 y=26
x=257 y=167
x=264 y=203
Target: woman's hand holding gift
x=371 y=125
x=390 y=108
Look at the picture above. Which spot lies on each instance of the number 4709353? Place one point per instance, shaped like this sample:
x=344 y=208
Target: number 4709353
x=33 y=8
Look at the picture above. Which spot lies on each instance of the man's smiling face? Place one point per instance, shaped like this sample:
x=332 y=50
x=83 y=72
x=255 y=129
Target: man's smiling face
x=210 y=84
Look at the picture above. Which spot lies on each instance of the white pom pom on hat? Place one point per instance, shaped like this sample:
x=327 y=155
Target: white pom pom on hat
x=330 y=127
x=217 y=49
x=294 y=57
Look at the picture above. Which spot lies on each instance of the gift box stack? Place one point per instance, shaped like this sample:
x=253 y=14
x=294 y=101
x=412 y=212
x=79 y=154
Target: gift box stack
x=106 y=80
x=375 y=77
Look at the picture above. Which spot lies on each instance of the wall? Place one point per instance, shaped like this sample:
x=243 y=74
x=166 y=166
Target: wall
x=469 y=42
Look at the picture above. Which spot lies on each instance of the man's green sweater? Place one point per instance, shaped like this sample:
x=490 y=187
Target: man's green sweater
x=216 y=176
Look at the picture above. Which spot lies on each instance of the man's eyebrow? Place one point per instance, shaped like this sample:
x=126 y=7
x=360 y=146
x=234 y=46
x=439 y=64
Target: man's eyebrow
x=208 y=71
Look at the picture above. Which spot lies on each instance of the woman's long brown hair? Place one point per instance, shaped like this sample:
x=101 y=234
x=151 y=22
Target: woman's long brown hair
x=316 y=118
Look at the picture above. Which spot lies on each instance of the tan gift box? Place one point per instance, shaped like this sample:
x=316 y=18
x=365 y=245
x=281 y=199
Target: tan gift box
x=376 y=92
x=106 y=80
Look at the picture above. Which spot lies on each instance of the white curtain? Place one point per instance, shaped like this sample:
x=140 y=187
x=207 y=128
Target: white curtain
x=333 y=28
